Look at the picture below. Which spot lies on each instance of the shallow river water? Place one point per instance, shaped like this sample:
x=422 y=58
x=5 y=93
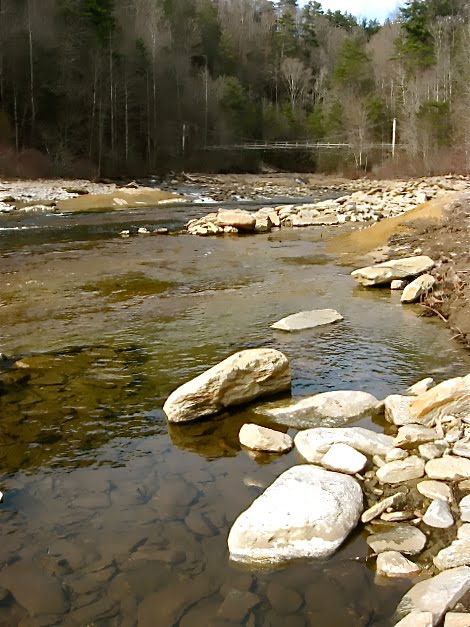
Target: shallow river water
x=112 y=518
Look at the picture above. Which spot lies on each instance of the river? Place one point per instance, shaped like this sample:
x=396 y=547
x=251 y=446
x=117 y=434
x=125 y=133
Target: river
x=112 y=518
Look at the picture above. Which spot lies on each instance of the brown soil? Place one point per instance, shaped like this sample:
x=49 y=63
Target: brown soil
x=447 y=242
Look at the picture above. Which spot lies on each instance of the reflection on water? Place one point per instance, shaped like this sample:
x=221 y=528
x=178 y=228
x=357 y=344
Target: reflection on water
x=112 y=518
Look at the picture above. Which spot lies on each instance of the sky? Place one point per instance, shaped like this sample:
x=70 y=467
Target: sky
x=378 y=9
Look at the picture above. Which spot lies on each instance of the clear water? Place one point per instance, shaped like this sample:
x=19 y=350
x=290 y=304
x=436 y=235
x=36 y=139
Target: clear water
x=111 y=517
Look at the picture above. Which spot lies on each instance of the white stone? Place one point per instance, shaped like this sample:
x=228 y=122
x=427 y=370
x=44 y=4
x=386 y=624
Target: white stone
x=462 y=449
x=394 y=564
x=433 y=450
x=238 y=379
x=396 y=454
x=260 y=438
x=435 y=490
x=398 y=284
x=344 y=458
x=416 y=619
x=463 y=532
x=329 y=409
x=417 y=288
x=437 y=594
x=411 y=435
x=456 y=554
x=312 y=444
x=451 y=397
x=403 y=538
x=457 y=619
x=402 y=470
x=420 y=387
x=438 y=515
x=464 y=507
x=243 y=220
x=381 y=506
x=306 y=512
x=308 y=320
x=397 y=409
x=389 y=271
x=448 y=468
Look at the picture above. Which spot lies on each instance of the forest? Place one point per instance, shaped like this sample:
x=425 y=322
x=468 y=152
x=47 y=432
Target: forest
x=131 y=87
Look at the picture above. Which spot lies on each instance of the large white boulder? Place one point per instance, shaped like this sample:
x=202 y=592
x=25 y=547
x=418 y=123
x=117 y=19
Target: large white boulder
x=238 y=218
x=312 y=444
x=307 y=320
x=238 y=379
x=330 y=409
x=306 y=512
x=437 y=594
x=389 y=271
x=451 y=397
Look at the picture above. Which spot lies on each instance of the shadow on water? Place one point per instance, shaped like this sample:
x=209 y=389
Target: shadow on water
x=110 y=516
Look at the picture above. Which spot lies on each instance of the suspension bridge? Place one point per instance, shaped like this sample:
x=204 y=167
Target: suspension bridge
x=300 y=145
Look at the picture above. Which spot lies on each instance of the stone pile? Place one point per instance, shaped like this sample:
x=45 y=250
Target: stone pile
x=406 y=487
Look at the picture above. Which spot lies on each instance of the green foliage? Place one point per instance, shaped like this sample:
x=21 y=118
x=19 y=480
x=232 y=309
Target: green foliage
x=341 y=20
x=417 y=44
x=434 y=119
x=101 y=16
x=239 y=109
x=353 y=67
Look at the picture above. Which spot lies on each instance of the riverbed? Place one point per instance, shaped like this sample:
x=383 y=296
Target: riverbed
x=111 y=517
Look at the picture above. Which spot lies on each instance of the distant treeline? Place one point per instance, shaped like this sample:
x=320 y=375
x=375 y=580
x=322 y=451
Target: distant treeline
x=93 y=87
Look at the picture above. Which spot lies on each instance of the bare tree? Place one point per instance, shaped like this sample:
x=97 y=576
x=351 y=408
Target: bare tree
x=297 y=77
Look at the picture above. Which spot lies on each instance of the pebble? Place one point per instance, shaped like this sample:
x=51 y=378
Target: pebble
x=344 y=458
x=464 y=507
x=438 y=515
x=380 y=507
x=435 y=490
x=237 y=605
x=411 y=435
x=396 y=454
x=283 y=600
x=457 y=619
x=448 y=468
x=402 y=470
x=432 y=450
x=402 y=538
x=394 y=564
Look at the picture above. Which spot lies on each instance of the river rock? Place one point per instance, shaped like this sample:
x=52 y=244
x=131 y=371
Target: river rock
x=437 y=594
x=263 y=224
x=448 y=468
x=433 y=450
x=416 y=619
x=398 y=284
x=402 y=470
x=283 y=600
x=411 y=435
x=331 y=409
x=312 y=444
x=464 y=507
x=263 y=439
x=461 y=448
x=236 y=606
x=457 y=619
x=420 y=387
x=394 y=564
x=417 y=288
x=402 y=538
x=438 y=515
x=240 y=378
x=378 y=508
x=308 y=320
x=389 y=271
x=397 y=409
x=435 y=490
x=306 y=512
x=344 y=458
x=396 y=454
x=240 y=219
x=457 y=554
x=451 y=397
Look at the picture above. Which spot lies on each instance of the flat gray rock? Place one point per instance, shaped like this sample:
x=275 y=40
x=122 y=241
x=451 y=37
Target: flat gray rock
x=308 y=320
x=402 y=538
x=327 y=409
x=438 y=515
x=401 y=470
x=456 y=554
x=394 y=564
x=306 y=512
x=437 y=594
x=389 y=271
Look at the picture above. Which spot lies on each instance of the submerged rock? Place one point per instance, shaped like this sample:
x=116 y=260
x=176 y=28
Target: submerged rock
x=260 y=438
x=327 y=408
x=437 y=594
x=306 y=512
x=417 y=288
x=389 y=271
x=240 y=378
x=402 y=538
x=394 y=564
x=312 y=444
x=307 y=320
